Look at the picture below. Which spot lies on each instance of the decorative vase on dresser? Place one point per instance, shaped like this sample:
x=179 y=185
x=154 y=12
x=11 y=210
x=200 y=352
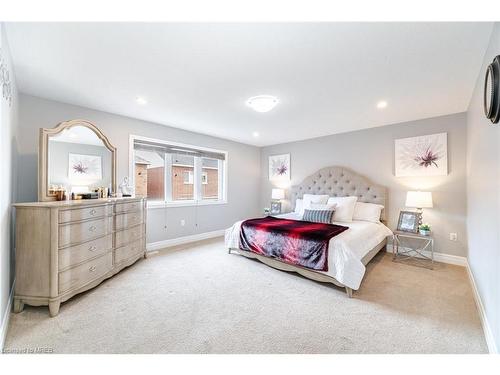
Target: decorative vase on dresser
x=64 y=248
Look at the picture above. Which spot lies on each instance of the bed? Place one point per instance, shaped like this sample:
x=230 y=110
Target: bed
x=349 y=251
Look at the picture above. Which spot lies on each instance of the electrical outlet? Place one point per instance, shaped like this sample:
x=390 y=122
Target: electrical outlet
x=183 y=222
x=453 y=237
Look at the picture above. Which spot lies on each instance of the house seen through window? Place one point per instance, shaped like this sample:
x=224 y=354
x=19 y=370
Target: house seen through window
x=168 y=173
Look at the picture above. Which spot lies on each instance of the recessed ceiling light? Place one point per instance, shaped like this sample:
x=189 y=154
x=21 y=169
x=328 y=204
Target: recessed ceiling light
x=255 y=134
x=140 y=100
x=381 y=104
x=262 y=103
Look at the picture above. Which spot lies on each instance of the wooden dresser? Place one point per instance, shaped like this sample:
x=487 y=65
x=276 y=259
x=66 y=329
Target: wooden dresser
x=64 y=248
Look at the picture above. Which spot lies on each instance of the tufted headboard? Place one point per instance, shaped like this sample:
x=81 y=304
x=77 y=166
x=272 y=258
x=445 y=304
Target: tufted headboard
x=341 y=182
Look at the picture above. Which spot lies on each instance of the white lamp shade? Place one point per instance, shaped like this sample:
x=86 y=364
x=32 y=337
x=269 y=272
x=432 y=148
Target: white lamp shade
x=278 y=194
x=419 y=199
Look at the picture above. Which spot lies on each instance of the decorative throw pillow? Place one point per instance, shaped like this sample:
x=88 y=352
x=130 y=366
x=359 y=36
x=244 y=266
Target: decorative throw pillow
x=344 y=209
x=367 y=212
x=327 y=207
x=307 y=199
x=318 y=216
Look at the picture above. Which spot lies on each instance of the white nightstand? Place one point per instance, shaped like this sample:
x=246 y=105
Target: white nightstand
x=410 y=250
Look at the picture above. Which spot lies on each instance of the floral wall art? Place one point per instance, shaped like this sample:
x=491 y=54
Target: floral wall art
x=84 y=167
x=279 y=167
x=422 y=156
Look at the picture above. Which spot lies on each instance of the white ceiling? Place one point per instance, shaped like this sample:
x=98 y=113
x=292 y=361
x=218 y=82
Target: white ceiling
x=328 y=76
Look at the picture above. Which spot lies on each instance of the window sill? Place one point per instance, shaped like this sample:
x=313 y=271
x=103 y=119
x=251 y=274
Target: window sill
x=155 y=205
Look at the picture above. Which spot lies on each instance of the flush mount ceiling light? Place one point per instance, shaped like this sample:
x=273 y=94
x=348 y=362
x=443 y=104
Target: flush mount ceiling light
x=140 y=100
x=381 y=104
x=255 y=134
x=262 y=103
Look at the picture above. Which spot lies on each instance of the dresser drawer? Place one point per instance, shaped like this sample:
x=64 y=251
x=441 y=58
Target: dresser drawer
x=129 y=207
x=128 y=251
x=74 y=234
x=84 y=213
x=80 y=253
x=125 y=237
x=79 y=276
x=128 y=220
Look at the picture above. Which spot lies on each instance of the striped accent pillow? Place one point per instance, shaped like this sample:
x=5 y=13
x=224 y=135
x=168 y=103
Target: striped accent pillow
x=318 y=216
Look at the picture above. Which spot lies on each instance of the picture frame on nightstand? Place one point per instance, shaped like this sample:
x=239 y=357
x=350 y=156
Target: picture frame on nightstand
x=408 y=221
x=275 y=208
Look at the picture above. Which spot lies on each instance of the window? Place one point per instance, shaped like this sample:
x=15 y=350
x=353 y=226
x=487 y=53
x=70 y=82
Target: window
x=188 y=177
x=168 y=173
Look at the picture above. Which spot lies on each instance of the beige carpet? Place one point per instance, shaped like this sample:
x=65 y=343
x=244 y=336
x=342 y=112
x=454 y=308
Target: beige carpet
x=202 y=300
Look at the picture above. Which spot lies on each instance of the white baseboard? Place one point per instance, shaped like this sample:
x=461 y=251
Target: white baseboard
x=6 y=318
x=439 y=257
x=183 y=240
x=490 y=341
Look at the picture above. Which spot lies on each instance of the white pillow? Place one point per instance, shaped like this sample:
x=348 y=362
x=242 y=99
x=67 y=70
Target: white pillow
x=307 y=199
x=299 y=206
x=367 y=212
x=345 y=208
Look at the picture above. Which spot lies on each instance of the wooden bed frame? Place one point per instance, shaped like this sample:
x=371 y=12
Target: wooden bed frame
x=336 y=182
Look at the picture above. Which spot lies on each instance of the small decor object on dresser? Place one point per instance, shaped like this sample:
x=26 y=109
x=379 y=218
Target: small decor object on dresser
x=279 y=167
x=421 y=156
x=492 y=91
x=408 y=221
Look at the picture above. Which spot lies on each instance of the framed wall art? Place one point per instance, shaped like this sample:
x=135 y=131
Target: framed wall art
x=279 y=167
x=421 y=156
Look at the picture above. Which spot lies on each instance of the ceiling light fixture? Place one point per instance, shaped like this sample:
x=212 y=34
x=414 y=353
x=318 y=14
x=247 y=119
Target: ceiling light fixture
x=381 y=104
x=140 y=100
x=262 y=103
x=255 y=134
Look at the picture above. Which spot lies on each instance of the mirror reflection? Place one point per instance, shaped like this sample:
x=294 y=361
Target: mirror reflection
x=78 y=161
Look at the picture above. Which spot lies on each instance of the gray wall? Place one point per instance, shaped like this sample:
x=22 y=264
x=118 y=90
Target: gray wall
x=371 y=153
x=243 y=165
x=483 y=201
x=59 y=162
x=8 y=188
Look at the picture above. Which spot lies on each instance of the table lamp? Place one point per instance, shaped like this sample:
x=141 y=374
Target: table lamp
x=419 y=200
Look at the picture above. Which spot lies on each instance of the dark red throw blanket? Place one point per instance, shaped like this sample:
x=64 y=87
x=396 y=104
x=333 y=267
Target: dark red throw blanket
x=300 y=243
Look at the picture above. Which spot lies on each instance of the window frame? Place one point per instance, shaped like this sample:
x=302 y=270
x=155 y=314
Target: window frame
x=197 y=201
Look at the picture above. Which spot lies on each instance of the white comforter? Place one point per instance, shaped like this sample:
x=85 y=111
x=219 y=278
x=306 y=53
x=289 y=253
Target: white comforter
x=345 y=250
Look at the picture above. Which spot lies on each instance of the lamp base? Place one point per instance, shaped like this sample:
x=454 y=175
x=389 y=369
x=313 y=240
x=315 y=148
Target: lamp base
x=420 y=212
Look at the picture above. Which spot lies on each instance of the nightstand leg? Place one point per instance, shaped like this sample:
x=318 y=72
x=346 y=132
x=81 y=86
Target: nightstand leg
x=432 y=253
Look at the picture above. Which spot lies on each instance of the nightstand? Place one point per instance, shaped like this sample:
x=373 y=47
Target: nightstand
x=414 y=247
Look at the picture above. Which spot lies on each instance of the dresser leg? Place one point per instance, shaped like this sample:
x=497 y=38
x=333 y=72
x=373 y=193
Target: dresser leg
x=349 y=292
x=18 y=305
x=54 y=308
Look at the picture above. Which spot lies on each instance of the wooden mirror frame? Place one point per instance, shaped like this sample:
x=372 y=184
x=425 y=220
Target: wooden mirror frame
x=43 y=155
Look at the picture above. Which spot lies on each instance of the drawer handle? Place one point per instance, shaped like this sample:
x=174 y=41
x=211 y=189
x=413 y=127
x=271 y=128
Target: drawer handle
x=92 y=269
x=93 y=212
x=92 y=248
x=92 y=228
